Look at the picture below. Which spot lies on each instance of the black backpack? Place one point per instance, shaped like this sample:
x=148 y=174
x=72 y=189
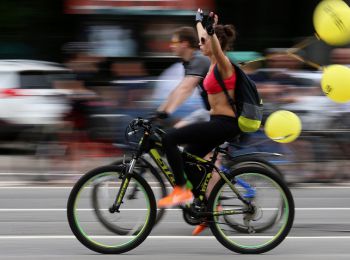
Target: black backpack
x=248 y=105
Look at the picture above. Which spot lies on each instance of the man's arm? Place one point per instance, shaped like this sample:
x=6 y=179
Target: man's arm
x=182 y=91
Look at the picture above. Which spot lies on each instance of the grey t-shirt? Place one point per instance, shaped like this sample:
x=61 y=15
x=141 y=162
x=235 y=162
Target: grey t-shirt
x=199 y=66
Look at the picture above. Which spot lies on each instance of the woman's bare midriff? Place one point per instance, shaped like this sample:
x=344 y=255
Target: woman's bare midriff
x=219 y=104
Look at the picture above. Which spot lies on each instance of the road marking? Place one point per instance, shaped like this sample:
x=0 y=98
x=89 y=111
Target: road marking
x=315 y=209
x=39 y=174
x=322 y=187
x=27 y=210
x=151 y=183
x=55 y=187
x=139 y=209
x=163 y=237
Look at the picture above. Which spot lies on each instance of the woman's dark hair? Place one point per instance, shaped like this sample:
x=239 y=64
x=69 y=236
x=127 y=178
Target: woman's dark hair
x=187 y=34
x=226 y=35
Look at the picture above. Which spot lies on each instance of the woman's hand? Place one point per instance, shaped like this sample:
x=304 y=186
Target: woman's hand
x=212 y=21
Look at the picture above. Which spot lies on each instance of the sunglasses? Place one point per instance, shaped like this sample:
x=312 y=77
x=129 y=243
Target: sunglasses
x=202 y=40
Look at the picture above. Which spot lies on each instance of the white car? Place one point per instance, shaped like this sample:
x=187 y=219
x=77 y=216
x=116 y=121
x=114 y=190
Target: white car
x=28 y=97
x=27 y=94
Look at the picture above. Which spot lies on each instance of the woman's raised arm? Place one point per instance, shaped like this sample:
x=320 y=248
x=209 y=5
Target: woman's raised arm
x=224 y=64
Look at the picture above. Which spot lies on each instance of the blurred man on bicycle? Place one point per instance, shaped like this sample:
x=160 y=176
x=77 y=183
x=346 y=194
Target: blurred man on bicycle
x=184 y=43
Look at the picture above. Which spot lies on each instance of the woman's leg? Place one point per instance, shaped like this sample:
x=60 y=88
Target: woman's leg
x=200 y=138
x=171 y=140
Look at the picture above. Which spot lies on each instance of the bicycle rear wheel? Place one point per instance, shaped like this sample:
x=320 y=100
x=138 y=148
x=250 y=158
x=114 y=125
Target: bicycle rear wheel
x=135 y=217
x=271 y=197
x=255 y=162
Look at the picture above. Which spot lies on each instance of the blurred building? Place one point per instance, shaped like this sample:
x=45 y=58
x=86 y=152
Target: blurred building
x=40 y=29
x=131 y=28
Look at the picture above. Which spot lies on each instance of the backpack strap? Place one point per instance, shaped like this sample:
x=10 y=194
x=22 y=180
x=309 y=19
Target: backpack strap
x=203 y=93
x=222 y=84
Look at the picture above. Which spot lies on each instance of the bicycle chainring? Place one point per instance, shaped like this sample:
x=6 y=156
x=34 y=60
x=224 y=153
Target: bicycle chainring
x=191 y=220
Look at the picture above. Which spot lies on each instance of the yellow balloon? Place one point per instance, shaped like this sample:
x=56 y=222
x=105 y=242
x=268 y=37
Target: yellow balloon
x=283 y=126
x=336 y=83
x=332 y=22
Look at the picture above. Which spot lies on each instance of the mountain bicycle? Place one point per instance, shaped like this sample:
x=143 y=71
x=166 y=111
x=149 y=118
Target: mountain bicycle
x=250 y=195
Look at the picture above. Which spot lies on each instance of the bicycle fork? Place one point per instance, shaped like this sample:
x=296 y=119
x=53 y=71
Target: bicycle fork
x=124 y=185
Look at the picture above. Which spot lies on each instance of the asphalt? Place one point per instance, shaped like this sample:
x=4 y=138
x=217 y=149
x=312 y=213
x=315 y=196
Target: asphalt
x=33 y=225
x=31 y=169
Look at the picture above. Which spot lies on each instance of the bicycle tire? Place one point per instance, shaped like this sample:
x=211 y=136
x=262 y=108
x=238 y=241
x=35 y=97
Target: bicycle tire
x=78 y=228
x=272 y=241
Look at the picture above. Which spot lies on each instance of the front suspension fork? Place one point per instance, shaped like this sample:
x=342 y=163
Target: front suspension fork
x=124 y=185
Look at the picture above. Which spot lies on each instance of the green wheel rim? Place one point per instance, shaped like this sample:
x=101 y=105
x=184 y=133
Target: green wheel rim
x=89 y=238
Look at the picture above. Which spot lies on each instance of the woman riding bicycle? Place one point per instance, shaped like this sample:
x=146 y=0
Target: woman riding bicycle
x=249 y=210
x=201 y=138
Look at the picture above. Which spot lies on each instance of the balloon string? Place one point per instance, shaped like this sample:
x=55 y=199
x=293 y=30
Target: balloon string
x=310 y=63
x=291 y=52
x=302 y=44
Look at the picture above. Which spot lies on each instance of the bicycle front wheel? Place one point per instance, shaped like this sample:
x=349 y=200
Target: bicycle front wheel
x=135 y=217
x=267 y=196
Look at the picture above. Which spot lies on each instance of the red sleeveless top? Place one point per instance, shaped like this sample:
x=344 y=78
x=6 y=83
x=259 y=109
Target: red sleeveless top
x=212 y=86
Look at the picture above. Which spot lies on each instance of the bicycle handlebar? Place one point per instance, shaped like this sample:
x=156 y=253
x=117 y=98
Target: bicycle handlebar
x=137 y=125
